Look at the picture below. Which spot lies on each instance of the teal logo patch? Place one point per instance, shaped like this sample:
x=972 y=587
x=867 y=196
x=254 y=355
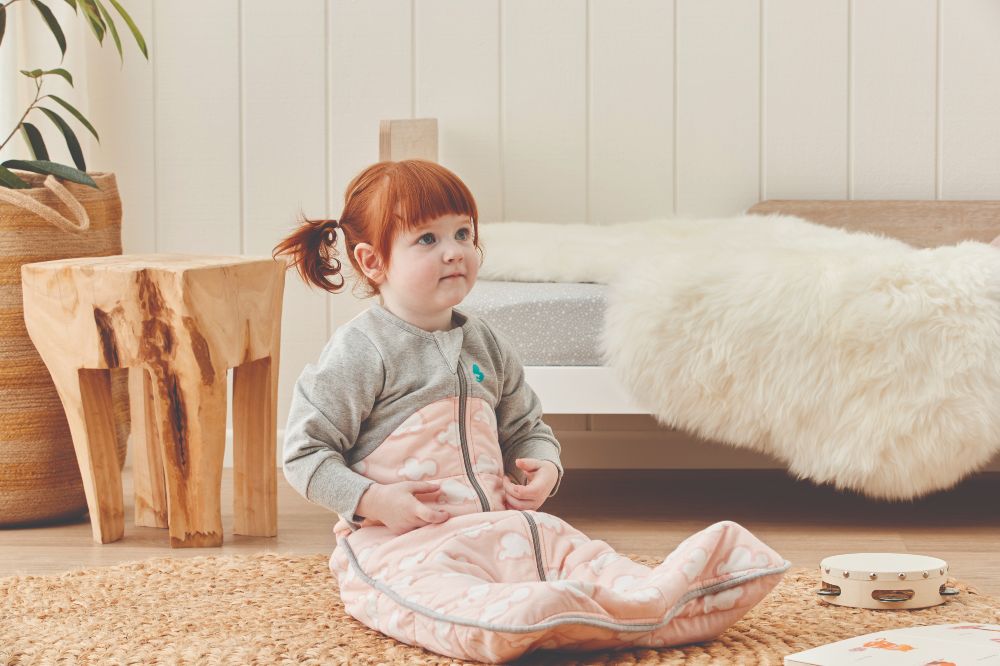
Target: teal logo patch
x=477 y=373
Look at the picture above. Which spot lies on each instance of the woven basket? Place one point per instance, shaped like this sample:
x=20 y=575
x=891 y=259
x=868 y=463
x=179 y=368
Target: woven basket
x=39 y=477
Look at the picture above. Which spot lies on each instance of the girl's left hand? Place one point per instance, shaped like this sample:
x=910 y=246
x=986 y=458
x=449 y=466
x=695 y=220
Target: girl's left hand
x=540 y=477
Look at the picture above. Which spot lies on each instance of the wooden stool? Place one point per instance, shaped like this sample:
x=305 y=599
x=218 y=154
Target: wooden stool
x=178 y=322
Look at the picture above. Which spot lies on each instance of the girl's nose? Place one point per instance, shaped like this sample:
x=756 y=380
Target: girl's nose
x=452 y=252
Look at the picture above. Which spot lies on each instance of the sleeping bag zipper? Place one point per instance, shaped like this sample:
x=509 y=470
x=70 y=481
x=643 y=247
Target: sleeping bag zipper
x=536 y=543
x=461 y=436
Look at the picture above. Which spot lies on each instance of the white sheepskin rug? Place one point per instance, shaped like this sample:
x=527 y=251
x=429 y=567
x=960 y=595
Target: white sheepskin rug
x=855 y=359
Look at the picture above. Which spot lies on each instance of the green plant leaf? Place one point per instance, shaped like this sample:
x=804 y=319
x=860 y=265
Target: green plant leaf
x=9 y=179
x=71 y=141
x=112 y=28
x=76 y=114
x=59 y=71
x=72 y=3
x=52 y=168
x=131 y=26
x=53 y=24
x=35 y=142
x=3 y=21
x=94 y=19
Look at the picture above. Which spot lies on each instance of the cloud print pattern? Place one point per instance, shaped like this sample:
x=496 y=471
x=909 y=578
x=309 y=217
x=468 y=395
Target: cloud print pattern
x=494 y=585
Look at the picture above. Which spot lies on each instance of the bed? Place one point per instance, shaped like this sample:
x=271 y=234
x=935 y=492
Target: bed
x=567 y=375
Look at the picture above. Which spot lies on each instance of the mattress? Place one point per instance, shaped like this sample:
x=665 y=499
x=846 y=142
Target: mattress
x=550 y=323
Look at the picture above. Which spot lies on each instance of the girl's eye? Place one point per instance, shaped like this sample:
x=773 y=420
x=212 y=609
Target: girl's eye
x=429 y=238
x=463 y=234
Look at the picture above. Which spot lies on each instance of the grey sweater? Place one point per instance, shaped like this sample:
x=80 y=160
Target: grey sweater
x=376 y=371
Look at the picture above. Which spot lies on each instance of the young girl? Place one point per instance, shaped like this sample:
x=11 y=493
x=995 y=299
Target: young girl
x=416 y=426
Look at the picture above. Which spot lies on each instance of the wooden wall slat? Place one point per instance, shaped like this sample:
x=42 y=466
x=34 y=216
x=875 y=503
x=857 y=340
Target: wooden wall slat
x=544 y=110
x=631 y=145
x=370 y=79
x=197 y=146
x=718 y=106
x=893 y=100
x=805 y=99
x=457 y=71
x=970 y=100
x=283 y=116
x=127 y=145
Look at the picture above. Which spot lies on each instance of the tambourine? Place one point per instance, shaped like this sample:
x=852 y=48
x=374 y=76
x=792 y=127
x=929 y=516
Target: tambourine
x=884 y=580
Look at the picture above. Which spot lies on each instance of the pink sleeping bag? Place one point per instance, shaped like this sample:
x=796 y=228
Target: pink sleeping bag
x=494 y=585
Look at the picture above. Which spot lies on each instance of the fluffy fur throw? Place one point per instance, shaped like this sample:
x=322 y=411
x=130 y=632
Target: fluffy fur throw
x=855 y=359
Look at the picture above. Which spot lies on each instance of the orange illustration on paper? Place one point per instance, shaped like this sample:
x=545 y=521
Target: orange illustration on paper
x=883 y=644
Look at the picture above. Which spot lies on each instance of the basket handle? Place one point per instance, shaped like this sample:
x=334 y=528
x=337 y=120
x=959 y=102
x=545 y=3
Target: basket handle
x=46 y=212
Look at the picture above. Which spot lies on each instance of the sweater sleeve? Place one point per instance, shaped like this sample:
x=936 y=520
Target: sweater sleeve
x=521 y=431
x=330 y=401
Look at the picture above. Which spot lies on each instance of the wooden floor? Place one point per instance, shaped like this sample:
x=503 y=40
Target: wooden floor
x=644 y=512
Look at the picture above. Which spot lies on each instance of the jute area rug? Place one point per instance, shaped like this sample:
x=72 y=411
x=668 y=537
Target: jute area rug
x=285 y=609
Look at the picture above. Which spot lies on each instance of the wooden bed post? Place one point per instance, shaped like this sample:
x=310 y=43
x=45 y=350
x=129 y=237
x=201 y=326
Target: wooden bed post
x=408 y=139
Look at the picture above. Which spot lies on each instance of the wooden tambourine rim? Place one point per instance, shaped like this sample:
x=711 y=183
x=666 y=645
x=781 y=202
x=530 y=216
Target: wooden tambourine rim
x=836 y=565
x=859 y=575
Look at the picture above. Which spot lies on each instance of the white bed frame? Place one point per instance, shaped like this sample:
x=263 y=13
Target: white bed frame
x=594 y=389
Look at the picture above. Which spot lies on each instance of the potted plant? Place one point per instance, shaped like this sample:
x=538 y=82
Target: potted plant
x=49 y=210
x=101 y=23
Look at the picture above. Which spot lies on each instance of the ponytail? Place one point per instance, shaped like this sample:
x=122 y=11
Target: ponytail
x=312 y=248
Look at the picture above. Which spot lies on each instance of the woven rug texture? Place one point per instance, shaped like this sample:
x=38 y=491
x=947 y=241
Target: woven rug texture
x=285 y=609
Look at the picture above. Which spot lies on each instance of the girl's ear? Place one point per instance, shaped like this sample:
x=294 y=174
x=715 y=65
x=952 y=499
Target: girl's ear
x=370 y=263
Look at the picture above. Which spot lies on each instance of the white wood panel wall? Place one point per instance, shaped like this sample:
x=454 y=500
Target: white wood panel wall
x=717 y=88
x=370 y=56
x=893 y=91
x=804 y=78
x=283 y=126
x=969 y=100
x=198 y=148
x=121 y=102
x=630 y=107
x=456 y=68
x=543 y=66
x=571 y=110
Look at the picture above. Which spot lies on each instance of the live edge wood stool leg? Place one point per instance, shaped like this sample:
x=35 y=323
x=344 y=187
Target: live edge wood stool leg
x=147 y=462
x=255 y=407
x=178 y=322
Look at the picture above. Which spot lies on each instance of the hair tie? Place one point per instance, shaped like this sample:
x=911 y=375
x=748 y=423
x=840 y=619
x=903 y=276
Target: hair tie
x=331 y=227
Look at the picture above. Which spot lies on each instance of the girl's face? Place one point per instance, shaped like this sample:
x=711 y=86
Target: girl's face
x=431 y=269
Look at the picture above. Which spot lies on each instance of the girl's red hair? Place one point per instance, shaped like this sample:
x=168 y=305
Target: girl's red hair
x=384 y=200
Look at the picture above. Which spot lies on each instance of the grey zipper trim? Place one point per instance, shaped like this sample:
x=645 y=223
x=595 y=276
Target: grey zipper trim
x=569 y=618
x=466 y=458
x=536 y=541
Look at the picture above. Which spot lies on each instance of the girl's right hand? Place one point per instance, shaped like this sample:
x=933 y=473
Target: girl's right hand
x=396 y=505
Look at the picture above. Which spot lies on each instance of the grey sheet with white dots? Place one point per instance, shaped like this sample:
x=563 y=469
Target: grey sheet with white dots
x=550 y=323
